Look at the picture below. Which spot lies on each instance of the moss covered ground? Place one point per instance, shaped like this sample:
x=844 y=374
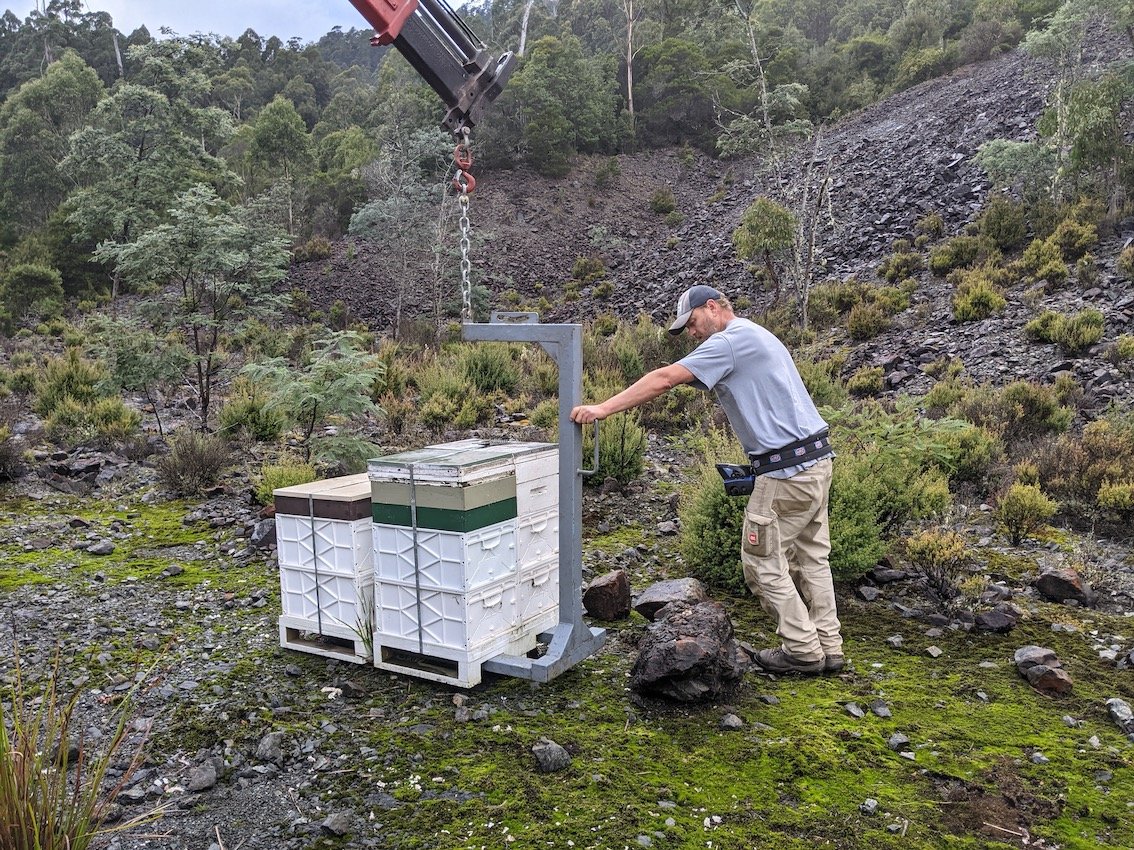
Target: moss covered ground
x=991 y=763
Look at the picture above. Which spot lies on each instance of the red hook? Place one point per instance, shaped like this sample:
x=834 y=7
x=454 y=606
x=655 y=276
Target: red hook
x=464 y=182
x=462 y=156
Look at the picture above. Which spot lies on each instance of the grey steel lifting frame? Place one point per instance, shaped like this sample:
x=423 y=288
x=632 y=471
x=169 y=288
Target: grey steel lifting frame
x=571 y=640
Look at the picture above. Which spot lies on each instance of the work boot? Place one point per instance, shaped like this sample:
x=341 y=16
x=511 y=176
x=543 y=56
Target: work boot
x=833 y=664
x=778 y=661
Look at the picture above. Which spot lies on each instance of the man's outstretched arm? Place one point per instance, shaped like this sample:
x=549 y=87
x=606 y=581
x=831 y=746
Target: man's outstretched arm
x=649 y=386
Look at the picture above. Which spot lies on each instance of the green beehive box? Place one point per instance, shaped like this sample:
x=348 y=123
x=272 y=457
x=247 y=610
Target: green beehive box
x=458 y=486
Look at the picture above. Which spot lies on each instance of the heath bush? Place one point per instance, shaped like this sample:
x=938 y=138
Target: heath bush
x=622 y=448
x=866 y=321
x=1117 y=497
x=973 y=452
x=977 y=297
x=287 y=472
x=962 y=252
x=1023 y=510
x=588 y=269
x=867 y=380
x=932 y=225
x=663 y=201
x=491 y=366
x=1004 y=223
x=246 y=413
x=900 y=266
x=1043 y=260
x=1020 y=410
x=711 y=520
x=822 y=381
x=940 y=555
x=1081 y=331
x=194 y=462
x=70 y=376
x=1074 y=238
x=1126 y=261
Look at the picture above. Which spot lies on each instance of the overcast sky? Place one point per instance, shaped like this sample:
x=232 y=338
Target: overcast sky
x=308 y=19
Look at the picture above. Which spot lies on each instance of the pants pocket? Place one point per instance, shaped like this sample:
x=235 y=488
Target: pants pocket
x=759 y=531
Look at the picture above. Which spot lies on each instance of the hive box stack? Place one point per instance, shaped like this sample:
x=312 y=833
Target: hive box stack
x=326 y=572
x=466 y=555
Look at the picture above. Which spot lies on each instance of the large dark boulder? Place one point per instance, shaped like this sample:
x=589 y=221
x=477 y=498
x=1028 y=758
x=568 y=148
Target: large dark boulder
x=687 y=591
x=689 y=654
x=608 y=596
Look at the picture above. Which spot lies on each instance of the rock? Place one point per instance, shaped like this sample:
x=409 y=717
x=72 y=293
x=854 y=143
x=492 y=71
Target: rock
x=1048 y=680
x=608 y=596
x=1031 y=655
x=689 y=654
x=102 y=547
x=880 y=709
x=263 y=534
x=895 y=641
x=1121 y=713
x=337 y=824
x=854 y=710
x=202 y=777
x=270 y=748
x=662 y=593
x=934 y=651
x=550 y=757
x=898 y=742
x=996 y=620
x=868 y=806
x=731 y=723
x=1063 y=585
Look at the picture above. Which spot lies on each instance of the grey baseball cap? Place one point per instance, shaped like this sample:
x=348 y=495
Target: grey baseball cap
x=690 y=300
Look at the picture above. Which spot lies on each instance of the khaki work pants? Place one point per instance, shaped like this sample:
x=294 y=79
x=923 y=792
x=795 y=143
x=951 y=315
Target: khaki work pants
x=785 y=556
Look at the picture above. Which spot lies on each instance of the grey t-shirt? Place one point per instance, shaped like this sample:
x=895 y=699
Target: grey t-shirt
x=759 y=387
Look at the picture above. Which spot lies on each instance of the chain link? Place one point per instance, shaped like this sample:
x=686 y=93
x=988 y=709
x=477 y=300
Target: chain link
x=464 y=182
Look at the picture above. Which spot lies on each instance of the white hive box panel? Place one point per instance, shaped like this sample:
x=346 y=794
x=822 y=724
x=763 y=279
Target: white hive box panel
x=460 y=625
x=537 y=597
x=344 y=547
x=537 y=537
x=445 y=560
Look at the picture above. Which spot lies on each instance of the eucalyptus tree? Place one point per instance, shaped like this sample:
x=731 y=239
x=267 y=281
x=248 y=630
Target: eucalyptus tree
x=212 y=267
x=36 y=123
x=146 y=142
x=280 y=149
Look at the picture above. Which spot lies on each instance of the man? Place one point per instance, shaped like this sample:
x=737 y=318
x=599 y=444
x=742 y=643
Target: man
x=786 y=539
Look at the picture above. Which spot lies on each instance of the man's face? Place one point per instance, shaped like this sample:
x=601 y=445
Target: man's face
x=703 y=321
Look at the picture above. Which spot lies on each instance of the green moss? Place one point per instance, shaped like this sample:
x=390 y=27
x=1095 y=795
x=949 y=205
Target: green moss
x=618 y=539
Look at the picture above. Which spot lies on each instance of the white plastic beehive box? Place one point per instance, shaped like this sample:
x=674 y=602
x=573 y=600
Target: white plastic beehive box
x=445 y=560
x=319 y=599
x=461 y=625
x=335 y=546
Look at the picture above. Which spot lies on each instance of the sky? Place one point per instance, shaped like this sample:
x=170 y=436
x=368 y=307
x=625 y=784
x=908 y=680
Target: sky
x=284 y=18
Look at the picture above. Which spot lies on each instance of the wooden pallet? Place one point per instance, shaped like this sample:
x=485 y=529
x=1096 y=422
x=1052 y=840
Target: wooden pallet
x=340 y=644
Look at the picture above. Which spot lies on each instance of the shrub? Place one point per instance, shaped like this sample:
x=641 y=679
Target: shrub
x=1042 y=260
x=1081 y=331
x=473 y=410
x=973 y=451
x=977 y=296
x=603 y=290
x=900 y=266
x=1116 y=496
x=932 y=225
x=1123 y=349
x=438 y=411
x=1126 y=261
x=546 y=415
x=1074 y=469
x=1004 y=223
x=315 y=248
x=194 y=462
x=490 y=366
x=288 y=472
x=1023 y=510
x=1022 y=409
x=588 y=269
x=866 y=381
x=961 y=252
x=866 y=321
x=607 y=172
x=663 y=201
x=822 y=381
x=622 y=448
x=246 y=413
x=29 y=288
x=711 y=520
x=69 y=376
x=946 y=394
x=886 y=476
x=940 y=555
x=1044 y=327
x=1074 y=238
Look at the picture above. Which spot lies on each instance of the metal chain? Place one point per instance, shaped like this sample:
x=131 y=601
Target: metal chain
x=464 y=183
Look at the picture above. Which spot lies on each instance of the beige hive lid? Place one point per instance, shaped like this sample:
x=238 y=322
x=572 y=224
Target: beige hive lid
x=346 y=488
x=461 y=462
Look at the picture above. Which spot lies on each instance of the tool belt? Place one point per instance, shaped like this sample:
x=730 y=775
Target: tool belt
x=740 y=479
x=815 y=447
